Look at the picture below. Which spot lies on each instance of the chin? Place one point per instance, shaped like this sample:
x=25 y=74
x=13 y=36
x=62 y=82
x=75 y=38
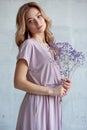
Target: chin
x=42 y=30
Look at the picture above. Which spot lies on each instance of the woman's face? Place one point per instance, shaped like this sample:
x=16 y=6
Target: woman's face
x=35 y=22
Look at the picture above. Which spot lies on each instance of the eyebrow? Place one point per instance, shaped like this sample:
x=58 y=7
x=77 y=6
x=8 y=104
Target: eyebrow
x=35 y=15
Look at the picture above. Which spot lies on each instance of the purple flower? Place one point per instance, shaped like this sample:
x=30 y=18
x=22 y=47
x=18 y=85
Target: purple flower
x=69 y=58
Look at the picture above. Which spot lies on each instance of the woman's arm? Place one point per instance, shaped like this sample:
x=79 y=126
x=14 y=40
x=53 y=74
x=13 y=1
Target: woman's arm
x=20 y=82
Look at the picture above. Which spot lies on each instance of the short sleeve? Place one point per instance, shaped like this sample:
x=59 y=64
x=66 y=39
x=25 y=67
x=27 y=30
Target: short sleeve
x=25 y=51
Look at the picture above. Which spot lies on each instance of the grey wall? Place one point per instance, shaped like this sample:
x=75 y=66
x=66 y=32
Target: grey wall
x=69 y=24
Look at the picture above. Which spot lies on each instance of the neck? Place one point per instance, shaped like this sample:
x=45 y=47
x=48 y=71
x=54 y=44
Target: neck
x=40 y=38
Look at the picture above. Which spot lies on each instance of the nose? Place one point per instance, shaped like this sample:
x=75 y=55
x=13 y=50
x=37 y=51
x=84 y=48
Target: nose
x=38 y=23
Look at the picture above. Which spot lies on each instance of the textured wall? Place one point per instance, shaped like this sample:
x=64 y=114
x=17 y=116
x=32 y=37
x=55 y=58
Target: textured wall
x=69 y=24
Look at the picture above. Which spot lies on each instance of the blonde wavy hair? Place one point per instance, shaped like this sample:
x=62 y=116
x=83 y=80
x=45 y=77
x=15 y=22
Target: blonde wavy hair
x=22 y=33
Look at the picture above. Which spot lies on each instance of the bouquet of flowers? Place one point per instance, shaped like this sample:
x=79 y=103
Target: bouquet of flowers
x=69 y=58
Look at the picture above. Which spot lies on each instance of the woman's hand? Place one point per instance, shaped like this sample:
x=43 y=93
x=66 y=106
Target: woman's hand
x=58 y=91
x=61 y=90
x=66 y=83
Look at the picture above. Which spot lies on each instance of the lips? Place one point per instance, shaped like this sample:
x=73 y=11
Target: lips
x=39 y=27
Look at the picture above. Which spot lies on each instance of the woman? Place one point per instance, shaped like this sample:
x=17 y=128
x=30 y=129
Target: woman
x=37 y=71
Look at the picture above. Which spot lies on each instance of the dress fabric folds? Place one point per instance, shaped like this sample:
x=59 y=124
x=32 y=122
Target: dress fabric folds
x=38 y=112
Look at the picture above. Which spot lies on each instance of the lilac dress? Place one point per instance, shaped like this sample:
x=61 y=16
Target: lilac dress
x=39 y=112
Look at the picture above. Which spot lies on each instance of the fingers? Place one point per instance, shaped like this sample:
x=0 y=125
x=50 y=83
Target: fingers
x=67 y=80
x=62 y=89
x=66 y=83
x=63 y=92
x=59 y=91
